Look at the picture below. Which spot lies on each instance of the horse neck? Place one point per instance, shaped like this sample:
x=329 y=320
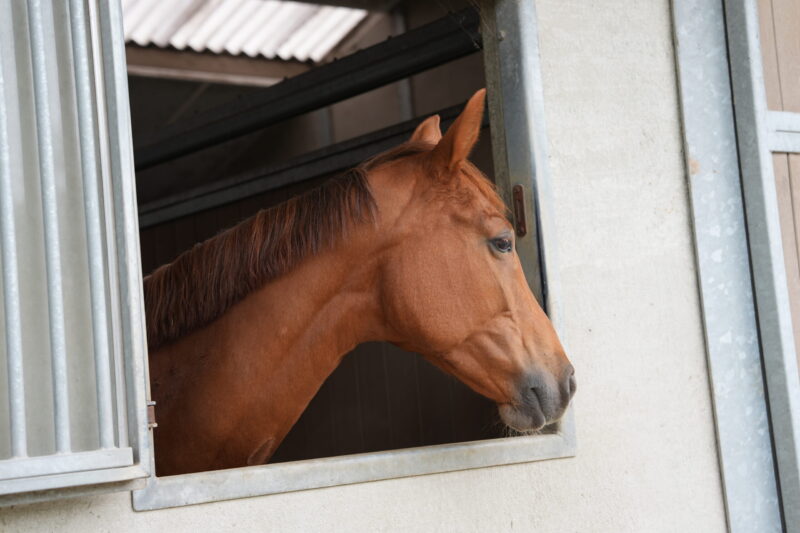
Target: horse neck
x=319 y=311
x=262 y=362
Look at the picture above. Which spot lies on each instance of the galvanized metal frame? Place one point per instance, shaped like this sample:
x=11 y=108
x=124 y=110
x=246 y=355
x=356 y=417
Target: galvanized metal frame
x=723 y=265
x=728 y=135
x=87 y=124
x=124 y=456
x=783 y=131
x=220 y=485
x=44 y=133
x=11 y=296
x=120 y=187
x=766 y=250
x=515 y=56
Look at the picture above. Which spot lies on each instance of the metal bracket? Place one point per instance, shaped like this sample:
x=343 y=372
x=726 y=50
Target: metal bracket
x=151 y=415
x=518 y=202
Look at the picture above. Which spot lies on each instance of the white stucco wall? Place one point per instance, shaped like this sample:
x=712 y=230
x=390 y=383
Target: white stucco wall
x=646 y=451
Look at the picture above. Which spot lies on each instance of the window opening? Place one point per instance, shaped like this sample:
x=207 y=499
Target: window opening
x=209 y=155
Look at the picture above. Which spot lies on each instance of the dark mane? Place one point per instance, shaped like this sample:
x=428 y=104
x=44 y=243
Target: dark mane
x=205 y=281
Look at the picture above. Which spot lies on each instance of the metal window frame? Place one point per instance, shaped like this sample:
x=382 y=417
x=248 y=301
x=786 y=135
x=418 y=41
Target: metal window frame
x=518 y=109
x=728 y=137
x=766 y=249
x=109 y=468
x=783 y=131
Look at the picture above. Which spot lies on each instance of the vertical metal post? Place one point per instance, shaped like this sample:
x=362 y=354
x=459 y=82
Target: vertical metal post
x=122 y=176
x=13 y=325
x=744 y=446
x=94 y=221
x=766 y=249
x=404 y=92
x=44 y=134
x=109 y=216
x=511 y=49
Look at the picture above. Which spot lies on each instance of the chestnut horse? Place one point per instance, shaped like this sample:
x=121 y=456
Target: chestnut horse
x=413 y=247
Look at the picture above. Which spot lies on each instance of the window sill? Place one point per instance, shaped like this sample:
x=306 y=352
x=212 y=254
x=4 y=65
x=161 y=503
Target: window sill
x=71 y=484
x=204 y=487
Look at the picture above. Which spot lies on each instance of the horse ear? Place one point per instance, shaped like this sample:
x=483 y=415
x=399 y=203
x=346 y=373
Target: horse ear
x=460 y=138
x=428 y=131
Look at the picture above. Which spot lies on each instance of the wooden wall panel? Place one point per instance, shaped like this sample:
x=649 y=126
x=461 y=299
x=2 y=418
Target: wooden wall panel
x=779 y=22
x=373 y=386
x=402 y=395
x=787 y=182
x=786 y=18
x=770 y=55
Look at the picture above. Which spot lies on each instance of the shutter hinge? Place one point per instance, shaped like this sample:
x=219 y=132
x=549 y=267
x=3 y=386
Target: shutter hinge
x=518 y=205
x=151 y=415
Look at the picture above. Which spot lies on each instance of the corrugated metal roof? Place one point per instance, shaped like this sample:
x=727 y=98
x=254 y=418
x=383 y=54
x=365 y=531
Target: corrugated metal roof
x=270 y=28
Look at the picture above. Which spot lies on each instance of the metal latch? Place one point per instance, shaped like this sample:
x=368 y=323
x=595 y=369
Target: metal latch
x=151 y=415
x=518 y=205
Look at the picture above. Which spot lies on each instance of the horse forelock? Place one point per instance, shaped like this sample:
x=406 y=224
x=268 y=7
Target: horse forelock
x=470 y=185
x=479 y=186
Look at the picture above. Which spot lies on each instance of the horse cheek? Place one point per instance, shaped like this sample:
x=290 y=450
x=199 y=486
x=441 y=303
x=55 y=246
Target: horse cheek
x=420 y=320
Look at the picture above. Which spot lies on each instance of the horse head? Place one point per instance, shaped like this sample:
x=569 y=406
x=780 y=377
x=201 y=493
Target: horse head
x=451 y=284
x=414 y=247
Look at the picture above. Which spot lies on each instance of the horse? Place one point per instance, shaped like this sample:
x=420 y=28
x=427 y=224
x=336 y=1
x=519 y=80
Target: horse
x=413 y=247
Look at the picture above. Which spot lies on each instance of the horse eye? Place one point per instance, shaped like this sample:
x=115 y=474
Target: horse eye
x=503 y=244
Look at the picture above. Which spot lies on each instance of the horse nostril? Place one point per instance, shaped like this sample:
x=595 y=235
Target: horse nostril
x=537 y=395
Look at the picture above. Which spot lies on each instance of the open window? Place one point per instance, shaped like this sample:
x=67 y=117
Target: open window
x=383 y=413
x=220 y=131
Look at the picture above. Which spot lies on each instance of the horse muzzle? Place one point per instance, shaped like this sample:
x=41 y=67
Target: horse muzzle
x=543 y=399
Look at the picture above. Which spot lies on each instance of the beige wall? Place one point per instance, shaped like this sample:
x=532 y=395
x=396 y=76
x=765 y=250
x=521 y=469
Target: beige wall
x=646 y=454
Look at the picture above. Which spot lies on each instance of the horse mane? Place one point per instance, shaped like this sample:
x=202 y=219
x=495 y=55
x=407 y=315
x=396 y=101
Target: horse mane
x=205 y=281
